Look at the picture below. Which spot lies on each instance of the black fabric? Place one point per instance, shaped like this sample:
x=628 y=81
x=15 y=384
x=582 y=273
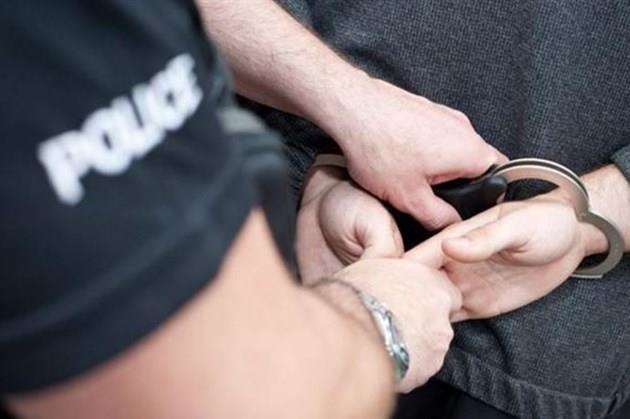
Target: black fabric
x=537 y=79
x=266 y=165
x=436 y=400
x=115 y=228
x=622 y=159
x=441 y=401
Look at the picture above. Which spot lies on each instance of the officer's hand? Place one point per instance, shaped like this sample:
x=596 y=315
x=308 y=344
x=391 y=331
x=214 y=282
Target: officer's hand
x=399 y=144
x=422 y=300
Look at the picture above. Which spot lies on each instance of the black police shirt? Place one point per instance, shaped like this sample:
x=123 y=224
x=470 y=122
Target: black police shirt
x=120 y=188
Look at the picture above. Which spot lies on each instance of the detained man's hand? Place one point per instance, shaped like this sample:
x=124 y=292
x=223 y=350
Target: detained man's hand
x=422 y=300
x=398 y=144
x=339 y=224
x=508 y=256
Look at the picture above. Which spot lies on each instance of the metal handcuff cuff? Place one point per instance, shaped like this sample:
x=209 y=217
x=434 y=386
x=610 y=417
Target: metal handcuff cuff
x=470 y=197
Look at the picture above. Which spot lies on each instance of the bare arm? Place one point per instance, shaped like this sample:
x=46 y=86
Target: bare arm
x=394 y=140
x=251 y=345
x=275 y=60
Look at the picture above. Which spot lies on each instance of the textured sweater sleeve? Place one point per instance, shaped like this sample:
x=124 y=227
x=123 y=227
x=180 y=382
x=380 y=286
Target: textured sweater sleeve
x=622 y=159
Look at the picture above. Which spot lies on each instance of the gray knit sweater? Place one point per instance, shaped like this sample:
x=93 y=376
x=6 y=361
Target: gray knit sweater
x=541 y=78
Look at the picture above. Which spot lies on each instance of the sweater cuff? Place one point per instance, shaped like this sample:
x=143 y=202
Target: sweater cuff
x=622 y=159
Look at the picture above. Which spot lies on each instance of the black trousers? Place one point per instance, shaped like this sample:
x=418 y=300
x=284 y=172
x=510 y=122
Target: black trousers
x=437 y=400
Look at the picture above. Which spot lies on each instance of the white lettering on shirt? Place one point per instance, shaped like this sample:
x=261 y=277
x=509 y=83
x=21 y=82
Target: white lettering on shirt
x=112 y=138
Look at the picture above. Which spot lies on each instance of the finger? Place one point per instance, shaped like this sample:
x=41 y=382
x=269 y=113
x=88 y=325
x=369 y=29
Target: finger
x=469 y=163
x=381 y=238
x=376 y=231
x=432 y=212
x=428 y=253
x=481 y=243
x=460 y=315
x=500 y=157
x=459 y=115
x=454 y=293
x=481 y=161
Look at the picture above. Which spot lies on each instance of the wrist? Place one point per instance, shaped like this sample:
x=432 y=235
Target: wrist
x=590 y=239
x=346 y=298
x=319 y=180
x=363 y=344
x=336 y=107
x=376 y=319
x=593 y=240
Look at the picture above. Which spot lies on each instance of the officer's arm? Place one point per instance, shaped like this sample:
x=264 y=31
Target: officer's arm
x=252 y=344
x=277 y=61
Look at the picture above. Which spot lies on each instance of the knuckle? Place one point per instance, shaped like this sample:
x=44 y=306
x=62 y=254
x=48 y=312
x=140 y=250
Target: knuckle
x=480 y=147
x=449 y=334
x=443 y=298
x=462 y=117
x=493 y=157
x=429 y=215
x=421 y=205
x=406 y=193
x=485 y=158
x=443 y=339
x=436 y=362
x=492 y=153
x=431 y=220
x=442 y=333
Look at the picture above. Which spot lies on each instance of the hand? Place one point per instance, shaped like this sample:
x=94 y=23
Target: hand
x=398 y=144
x=508 y=256
x=422 y=300
x=339 y=224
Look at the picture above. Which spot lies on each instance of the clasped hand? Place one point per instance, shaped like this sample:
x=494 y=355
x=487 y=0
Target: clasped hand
x=498 y=261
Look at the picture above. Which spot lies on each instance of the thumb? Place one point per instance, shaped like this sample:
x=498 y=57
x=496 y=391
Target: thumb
x=432 y=212
x=483 y=242
x=381 y=238
x=500 y=157
x=428 y=253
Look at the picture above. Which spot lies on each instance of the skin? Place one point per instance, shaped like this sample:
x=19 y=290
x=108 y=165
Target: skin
x=408 y=290
x=195 y=365
x=255 y=344
x=516 y=253
x=339 y=224
x=241 y=334
x=500 y=260
x=393 y=140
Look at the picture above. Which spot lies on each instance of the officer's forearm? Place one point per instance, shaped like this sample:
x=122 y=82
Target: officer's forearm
x=276 y=60
x=252 y=344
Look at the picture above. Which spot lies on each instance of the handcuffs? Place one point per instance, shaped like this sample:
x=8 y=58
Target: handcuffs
x=470 y=197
